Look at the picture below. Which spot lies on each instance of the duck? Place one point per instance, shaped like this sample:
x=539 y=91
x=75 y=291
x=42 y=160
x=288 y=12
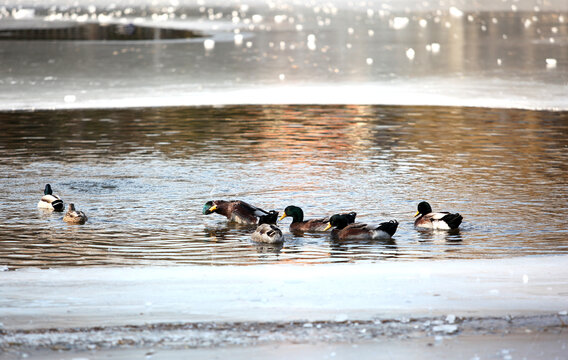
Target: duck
x=240 y=212
x=268 y=233
x=299 y=224
x=359 y=231
x=50 y=201
x=74 y=217
x=436 y=220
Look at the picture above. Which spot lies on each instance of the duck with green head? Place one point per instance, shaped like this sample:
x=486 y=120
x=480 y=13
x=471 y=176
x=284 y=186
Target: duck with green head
x=240 y=212
x=50 y=201
x=312 y=225
x=436 y=220
x=343 y=230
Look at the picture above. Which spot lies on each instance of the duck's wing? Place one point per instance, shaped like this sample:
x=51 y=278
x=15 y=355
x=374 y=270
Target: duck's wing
x=355 y=231
x=440 y=220
x=243 y=212
x=76 y=217
x=51 y=201
x=357 y=226
x=244 y=207
x=313 y=224
x=437 y=215
x=267 y=233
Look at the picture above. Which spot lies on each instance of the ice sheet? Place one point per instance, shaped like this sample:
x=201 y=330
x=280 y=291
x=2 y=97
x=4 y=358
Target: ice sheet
x=70 y=297
x=488 y=54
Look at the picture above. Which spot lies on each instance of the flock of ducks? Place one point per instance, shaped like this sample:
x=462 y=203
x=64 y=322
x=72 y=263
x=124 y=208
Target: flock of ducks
x=50 y=201
x=344 y=225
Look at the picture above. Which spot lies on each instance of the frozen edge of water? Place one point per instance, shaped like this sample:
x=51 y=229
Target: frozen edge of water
x=108 y=296
x=472 y=93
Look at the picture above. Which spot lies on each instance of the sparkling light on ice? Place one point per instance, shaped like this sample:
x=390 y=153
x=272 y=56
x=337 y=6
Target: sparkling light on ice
x=338 y=51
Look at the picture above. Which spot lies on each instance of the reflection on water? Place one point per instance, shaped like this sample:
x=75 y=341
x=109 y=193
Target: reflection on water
x=142 y=177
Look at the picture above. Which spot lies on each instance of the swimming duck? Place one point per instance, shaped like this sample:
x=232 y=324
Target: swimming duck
x=50 y=201
x=436 y=221
x=74 y=217
x=240 y=212
x=268 y=233
x=359 y=231
x=298 y=223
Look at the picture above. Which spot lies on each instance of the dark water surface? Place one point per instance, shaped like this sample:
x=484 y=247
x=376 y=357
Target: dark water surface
x=143 y=175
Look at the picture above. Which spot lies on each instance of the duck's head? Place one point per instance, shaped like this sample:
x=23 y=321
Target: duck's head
x=209 y=208
x=47 y=190
x=351 y=217
x=339 y=221
x=295 y=212
x=423 y=209
x=71 y=207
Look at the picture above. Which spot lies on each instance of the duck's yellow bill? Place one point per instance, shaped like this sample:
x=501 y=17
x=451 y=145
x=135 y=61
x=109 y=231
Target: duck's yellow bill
x=282 y=217
x=417 y=213
x=213 y=208
x=327 y=227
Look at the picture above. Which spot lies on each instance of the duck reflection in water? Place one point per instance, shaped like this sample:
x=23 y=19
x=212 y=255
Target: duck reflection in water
x=451 y=236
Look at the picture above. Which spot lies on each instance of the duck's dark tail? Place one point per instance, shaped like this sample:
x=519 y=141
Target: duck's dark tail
x=57 y=205
x=270 y=218
x=453 y=220
x=389 y=227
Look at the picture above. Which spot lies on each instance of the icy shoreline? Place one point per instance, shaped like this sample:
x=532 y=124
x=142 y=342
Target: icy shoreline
x=99 y=296
x=166 y=310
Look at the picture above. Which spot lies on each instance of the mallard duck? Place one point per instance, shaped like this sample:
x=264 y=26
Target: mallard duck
x=359 y=231
x=268 y=233
x=436 y=221
x=298 y=223
x=73 y=216
x=240 y=212
x=50 y=201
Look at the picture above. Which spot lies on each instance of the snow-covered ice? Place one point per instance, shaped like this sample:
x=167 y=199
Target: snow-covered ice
x=34 y=298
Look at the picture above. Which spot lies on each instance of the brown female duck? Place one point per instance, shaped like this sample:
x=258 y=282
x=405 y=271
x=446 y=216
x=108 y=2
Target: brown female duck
x=74 y=217
x=268 y=233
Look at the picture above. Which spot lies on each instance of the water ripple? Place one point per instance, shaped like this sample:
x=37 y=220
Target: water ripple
x=142 y=176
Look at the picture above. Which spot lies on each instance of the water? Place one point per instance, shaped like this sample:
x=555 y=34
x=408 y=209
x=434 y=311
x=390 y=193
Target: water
x=143 y=175
x=140 y=112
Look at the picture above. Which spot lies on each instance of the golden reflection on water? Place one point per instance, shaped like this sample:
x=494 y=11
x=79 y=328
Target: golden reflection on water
x=142 y=177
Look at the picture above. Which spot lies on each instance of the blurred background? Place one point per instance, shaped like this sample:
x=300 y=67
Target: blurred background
x=100 y=54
